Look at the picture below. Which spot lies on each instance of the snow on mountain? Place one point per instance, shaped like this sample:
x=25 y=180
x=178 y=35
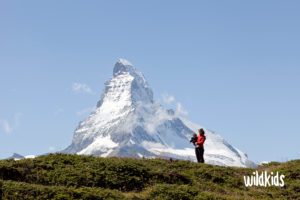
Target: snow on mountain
x=129 y=123
x=16 y=156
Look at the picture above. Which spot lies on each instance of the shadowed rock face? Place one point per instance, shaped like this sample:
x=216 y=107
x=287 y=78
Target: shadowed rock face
x=129 y=123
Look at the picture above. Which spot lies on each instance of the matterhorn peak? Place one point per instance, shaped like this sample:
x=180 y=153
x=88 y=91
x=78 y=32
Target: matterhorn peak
x=123 y=66
x=129 y=123
x=128 y=82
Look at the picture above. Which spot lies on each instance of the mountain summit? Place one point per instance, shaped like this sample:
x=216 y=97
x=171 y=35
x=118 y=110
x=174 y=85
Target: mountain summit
x=127 y=122
x=123 y=66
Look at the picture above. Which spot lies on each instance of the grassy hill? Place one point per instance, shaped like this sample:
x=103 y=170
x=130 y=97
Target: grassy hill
x=59 y=176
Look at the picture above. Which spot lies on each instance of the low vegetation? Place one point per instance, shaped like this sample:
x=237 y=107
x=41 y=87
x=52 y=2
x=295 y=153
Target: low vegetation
x=59 y=176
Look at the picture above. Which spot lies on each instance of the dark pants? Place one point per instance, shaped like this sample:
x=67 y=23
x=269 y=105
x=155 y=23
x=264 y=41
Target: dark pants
x=199 y=154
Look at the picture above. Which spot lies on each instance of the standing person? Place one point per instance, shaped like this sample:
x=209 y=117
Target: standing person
x=194 y=141
x=200 y=146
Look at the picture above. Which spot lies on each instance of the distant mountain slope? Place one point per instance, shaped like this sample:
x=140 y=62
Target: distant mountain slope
x=16 y=156
x=129 y=123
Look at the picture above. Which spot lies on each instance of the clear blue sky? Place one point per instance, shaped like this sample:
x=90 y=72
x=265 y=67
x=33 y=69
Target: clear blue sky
x=233 y=65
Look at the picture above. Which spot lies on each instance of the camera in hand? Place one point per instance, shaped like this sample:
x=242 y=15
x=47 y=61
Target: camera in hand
x=194 y=138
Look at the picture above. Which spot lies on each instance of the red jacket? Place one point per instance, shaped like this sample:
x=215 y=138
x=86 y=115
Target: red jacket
x=200 y=140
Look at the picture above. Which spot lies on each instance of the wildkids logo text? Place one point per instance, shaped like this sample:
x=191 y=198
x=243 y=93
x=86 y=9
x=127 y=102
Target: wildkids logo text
x=264 y=179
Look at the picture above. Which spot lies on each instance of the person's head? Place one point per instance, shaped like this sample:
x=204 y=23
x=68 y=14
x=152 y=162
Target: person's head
x=194 y=135
x=201 y=131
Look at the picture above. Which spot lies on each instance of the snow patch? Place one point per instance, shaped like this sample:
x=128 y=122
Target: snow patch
x=101 y=143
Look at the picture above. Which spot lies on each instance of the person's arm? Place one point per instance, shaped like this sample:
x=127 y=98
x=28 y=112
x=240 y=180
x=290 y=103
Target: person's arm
x=195 y=143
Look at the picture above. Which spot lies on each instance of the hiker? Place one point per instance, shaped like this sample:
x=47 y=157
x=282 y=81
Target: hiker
x=199 y=144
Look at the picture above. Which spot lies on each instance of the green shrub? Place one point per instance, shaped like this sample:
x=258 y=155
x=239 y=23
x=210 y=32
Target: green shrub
x=208 y=196
x=60 y=176
x=16 y=190
x=1 y=185
x=78 y=171
x=170 y=192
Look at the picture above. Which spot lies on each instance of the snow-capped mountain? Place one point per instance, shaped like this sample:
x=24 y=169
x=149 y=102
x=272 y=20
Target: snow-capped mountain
x=17 y=156
x=127 y=122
